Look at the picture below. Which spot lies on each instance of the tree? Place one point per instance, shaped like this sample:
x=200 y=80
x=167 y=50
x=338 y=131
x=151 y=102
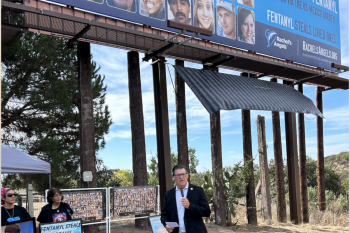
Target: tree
x=105 y=176
x=39 y=106
x=332 y=178
x=153 y=178
x=125 y=177
x=192 y=160
x=235 y=179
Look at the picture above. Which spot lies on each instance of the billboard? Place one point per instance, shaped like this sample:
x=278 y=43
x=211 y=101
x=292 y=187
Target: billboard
x=304 y=31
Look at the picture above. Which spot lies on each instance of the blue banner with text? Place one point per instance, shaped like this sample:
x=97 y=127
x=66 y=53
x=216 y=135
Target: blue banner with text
x=71 y=226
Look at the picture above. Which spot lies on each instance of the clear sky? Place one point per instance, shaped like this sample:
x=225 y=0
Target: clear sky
x=118 y=150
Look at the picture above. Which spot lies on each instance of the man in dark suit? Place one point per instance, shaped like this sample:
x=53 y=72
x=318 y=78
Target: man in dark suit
x=185 y=204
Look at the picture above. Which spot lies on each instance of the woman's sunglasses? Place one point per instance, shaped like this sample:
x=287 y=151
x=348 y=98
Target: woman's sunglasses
x=12 y=194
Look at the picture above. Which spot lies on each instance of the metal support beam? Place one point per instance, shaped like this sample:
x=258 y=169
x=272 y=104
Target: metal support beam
x=222 y=59
x=72 y=41
x=340 y=67
x=162 y=127
x=228 y=58
x=148 y=57
x=302 y=161
x=166 y=48
x=170 y=39
x=275 y=71
x=213 y=58
x=337 y=87
x=181 y=43
x=301 y=81
x=320 y=153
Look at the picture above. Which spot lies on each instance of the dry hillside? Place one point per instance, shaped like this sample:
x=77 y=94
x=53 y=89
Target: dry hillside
x=340 y=163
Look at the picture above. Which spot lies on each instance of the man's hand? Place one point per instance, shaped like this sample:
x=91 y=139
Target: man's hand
x=169 y=229
x=185 y=203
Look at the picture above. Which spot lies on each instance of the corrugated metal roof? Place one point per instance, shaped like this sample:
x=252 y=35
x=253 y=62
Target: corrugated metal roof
x=218 y=91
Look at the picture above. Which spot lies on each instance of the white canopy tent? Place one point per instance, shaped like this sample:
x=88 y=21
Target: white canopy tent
x=15 y=161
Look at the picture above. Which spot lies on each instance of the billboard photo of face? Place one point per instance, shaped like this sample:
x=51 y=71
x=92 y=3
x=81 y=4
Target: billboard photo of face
x=246 y=25
x=153 y=9
x=226 y=19
x=203 y=14
x=249 y=3
x=179 y=11
x=127 y=5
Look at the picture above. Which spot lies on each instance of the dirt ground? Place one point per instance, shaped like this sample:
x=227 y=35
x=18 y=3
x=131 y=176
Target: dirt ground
x=263 y=227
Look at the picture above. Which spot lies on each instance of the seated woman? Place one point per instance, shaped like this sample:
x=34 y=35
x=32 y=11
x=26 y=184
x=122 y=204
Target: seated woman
x=56 y=210
x=9 y=211
x=204 y=14
x=246 y=26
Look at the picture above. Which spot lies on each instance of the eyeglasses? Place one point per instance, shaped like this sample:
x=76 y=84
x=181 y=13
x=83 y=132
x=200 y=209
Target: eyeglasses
x=181 y=175
x=12 y=194
x=59 y=195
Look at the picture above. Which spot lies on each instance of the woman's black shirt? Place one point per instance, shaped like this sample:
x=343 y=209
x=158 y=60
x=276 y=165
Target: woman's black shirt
x=18 y=212
x=62 y=213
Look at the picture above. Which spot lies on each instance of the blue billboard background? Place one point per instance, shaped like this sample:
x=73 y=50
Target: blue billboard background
x=305 y=31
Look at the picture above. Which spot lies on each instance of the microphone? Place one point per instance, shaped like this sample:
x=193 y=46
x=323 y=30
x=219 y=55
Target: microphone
x=182 y=192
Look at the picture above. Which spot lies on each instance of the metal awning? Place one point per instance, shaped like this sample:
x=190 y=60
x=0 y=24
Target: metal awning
x=218 y=91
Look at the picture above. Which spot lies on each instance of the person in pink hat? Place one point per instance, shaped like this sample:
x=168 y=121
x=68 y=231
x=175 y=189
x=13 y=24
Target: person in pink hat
x=9 y=211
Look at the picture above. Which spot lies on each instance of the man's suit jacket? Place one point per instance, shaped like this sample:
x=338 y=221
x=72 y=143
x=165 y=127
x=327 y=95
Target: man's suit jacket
x=199 y=207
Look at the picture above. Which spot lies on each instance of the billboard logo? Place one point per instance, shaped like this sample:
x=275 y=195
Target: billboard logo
x=274 y=40
x=270 y=36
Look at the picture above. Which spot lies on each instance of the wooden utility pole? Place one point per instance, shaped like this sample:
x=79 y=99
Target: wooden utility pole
x=181 y=124
x=139 y=163
x=86 y=121
x=302 y=161
x=264 y=168
x=248 y=155
x=320 y=153
x=293 y=168
x=293 y=165
x=162 y=126
x=219 y=198
x=279 y=174
x=216 y=160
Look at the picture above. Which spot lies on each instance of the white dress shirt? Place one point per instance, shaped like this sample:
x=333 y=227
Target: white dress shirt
x=180 y=208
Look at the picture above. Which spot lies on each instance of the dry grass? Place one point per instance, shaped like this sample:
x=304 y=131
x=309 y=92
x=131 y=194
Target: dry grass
x=334 y=219
x=263 y=227
x=331 y=220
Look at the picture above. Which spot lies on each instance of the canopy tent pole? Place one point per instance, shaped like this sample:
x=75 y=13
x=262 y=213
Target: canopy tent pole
x=27 y=194
x=49 y=180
